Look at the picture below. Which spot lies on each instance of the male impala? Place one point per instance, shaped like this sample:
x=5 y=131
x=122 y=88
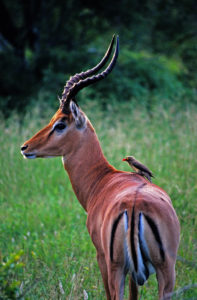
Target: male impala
x=132 y=222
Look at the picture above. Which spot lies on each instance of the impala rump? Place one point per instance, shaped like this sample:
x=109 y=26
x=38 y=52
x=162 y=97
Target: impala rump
x=136 y=254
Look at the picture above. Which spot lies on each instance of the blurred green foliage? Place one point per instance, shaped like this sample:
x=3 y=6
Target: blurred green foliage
x=43 y=43
x=10 y=269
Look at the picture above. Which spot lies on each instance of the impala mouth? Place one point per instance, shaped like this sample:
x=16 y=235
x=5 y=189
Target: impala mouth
x=30 y=155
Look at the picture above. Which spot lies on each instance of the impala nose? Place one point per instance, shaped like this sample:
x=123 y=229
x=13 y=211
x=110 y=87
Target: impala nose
x=24 y=147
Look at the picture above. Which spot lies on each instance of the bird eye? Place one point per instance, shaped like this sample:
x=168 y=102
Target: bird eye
x=60 y=126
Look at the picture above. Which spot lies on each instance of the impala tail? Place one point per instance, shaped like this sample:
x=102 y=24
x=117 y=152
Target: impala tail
x=138 y=254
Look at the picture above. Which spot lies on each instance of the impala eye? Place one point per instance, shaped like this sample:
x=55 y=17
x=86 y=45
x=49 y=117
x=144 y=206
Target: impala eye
x=60 y=126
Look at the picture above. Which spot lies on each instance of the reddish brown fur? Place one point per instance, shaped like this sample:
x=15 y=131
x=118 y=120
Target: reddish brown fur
x=105 y=192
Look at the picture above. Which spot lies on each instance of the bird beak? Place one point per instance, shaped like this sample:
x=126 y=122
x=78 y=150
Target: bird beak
x=124 y=159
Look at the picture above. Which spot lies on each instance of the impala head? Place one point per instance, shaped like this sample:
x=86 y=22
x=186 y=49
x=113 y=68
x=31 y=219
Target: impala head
x=69 y=123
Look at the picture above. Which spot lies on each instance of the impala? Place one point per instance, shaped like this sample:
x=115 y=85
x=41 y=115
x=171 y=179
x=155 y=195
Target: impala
x=131 y=221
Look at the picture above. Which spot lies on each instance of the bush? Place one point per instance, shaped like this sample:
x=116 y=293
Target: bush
x=140 y=75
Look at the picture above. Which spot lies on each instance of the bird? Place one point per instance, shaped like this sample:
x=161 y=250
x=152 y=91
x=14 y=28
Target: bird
x=139 y=167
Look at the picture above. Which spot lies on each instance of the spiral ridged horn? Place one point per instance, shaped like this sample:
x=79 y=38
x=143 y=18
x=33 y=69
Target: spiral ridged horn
x=81 y=80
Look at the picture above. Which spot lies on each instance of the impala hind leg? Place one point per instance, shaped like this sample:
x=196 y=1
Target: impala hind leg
x=103 y=269
x=166 y=280
x=116 y=281
x=133 y=290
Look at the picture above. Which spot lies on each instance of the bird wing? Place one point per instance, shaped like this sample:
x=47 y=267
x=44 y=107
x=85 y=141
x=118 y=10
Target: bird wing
x=142 y=167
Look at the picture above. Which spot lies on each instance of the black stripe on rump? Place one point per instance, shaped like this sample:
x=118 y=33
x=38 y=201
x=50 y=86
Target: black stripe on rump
x=157 y=235
x=114 y=227
x=134 y=255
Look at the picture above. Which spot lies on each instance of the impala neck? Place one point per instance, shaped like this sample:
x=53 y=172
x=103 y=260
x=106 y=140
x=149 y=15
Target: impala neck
x=86 y=166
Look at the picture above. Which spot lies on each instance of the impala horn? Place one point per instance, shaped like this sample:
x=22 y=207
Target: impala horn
x=83 y=79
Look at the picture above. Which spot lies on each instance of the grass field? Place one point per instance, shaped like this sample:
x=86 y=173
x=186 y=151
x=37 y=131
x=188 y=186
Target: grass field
x=40 y=215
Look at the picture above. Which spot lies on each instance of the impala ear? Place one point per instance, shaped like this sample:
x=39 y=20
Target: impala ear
x=78 y=116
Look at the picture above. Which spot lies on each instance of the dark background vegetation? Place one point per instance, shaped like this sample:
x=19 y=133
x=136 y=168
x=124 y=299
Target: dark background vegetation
x=43 y=42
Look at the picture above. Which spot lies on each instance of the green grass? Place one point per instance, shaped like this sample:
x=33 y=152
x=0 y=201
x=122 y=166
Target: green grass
x=40 y=214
